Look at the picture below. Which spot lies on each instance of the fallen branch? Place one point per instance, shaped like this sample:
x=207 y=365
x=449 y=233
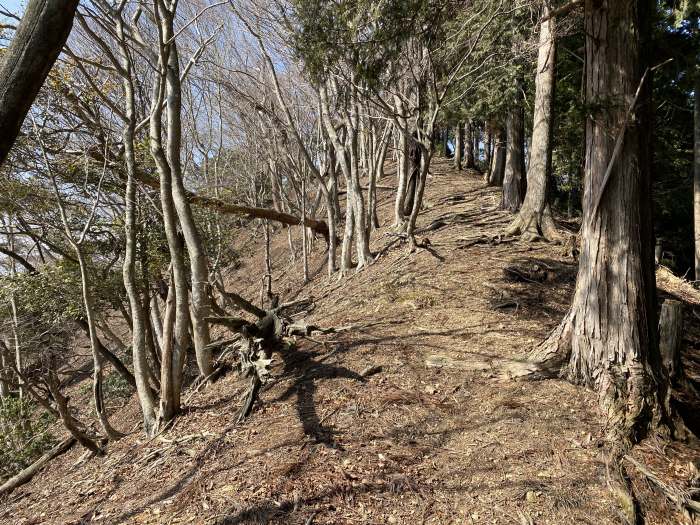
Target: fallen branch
x=677 y=287
x=28 y=473
x=226 y=208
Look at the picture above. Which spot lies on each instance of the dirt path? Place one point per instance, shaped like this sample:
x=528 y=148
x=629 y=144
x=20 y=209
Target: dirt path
x=410 y=444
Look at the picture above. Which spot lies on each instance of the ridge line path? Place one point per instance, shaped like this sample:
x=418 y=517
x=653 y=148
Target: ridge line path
x=433 y=437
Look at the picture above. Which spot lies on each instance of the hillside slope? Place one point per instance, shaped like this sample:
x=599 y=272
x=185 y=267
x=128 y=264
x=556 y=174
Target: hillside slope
x=434 y=436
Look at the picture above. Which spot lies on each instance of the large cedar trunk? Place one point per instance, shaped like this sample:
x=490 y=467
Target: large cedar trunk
x=498 y=162
x=608 y=340
x=459 y=145
x=535 y=218
x=514 y=178
x=469 y=145
x=27 y=61
x=697 y=170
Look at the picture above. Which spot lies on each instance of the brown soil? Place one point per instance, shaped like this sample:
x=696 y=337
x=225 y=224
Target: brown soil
x=410 y=444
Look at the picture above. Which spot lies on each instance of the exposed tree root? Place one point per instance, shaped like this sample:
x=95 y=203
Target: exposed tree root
x=683 y=500
x=550 y=358
x=621 y=488
x=256 y=342
x=534 y=226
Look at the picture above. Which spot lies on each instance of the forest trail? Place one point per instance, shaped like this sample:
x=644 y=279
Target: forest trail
x=410 y=442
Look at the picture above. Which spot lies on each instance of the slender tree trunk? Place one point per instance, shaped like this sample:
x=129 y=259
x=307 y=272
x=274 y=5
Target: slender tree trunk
x=535 y=218
x=608 y=340
x=346 y=249
x=402 y=174
x=27 y=61
x=380 y=147
x=422 y=168
x=514 y=179
x=4 y=371
x=138 y=326
x=498 y=163
x=98 y=393
x=364 y=255
x=304 y=247
x=176 y=322
x=13 y=309
x=476 y=132
x=199 y=269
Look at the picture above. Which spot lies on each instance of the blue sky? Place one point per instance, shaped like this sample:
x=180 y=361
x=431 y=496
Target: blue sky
x=14 y=6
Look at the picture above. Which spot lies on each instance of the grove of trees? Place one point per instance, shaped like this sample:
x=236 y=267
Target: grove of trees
x=134 y=134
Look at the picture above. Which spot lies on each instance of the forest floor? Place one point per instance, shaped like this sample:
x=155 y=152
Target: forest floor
x=436 y=436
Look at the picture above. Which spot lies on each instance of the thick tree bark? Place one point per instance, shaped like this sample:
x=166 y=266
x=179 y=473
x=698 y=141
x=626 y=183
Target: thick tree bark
x=469 y=139
x=535 y=218
x=459 y=145
x=514 y=179
x=498 y=162
x=608 y=340
x=696 y=169
x=27 y=61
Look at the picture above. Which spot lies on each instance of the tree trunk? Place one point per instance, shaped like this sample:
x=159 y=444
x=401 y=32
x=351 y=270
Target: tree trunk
x=138 y=320
x=469 y=139
x=488 y=140
x=199 y=268
x=176 y=321
x=304 y=247
x=424 y=159
x=514 y=179
x=4 y=371
x=608 y=340
x=498 y=162
x=696 y=169
x=402 y=173
x=459 y=145
x=414 y=169
x=27 y=61
x=535 y=218
x=98 y=393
